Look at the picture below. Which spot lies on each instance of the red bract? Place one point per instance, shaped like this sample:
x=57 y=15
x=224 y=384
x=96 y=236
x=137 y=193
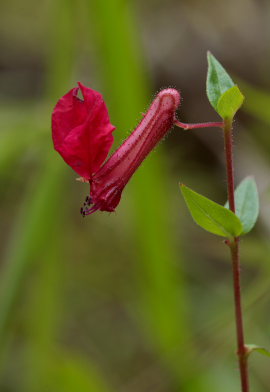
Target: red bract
x=82 y=135
x=81 y=130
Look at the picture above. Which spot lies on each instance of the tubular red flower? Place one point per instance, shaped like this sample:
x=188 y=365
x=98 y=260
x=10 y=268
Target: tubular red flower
x=108 y=183
x=82 y=134
x=81 y=130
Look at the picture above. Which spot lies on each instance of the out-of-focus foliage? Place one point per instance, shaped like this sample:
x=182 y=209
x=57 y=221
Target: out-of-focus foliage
x=138 y=300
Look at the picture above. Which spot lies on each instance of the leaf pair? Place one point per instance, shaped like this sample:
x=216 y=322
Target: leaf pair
x=226 y=99
x=222 y=92
x=220 y=220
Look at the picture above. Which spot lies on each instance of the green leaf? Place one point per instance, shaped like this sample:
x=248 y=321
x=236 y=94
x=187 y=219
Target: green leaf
x=247 y=203
x=230 y=102
x=253 y=347
x=211 y=216
x=218 y=81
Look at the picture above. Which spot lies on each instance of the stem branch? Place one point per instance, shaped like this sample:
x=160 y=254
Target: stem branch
x=234 y=248
x=199 y=125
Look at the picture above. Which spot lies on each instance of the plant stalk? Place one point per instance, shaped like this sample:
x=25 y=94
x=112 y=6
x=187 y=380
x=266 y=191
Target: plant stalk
x=234 y=249
x=198 y=125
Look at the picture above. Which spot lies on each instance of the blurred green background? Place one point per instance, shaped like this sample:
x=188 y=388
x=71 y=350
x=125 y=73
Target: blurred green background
x=139 y=300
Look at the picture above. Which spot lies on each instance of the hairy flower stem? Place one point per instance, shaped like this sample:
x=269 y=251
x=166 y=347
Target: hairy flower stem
x=234 y=249
x=199 y=125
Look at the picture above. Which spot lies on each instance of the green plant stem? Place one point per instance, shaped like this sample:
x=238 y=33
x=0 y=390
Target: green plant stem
x=234 y=249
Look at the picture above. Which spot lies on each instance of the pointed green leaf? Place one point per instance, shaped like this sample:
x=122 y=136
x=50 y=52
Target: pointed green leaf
x=218 y=81
x=230 y=102
x=247 y=203
x=253 y=347
x=211 y=216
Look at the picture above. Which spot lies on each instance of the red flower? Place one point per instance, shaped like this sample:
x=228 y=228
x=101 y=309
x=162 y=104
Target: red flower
x=81 y=130
x=82 y=135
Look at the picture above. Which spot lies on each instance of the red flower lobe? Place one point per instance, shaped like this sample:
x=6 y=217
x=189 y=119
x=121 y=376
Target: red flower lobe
x=81 y=130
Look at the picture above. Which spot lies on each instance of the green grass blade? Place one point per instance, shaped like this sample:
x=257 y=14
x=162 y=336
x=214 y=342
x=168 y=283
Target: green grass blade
x=72 y=373
x=40 y=206
x=127 y=92
x=32 y=233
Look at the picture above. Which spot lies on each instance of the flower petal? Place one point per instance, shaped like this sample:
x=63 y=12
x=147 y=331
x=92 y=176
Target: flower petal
x=81 y=129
